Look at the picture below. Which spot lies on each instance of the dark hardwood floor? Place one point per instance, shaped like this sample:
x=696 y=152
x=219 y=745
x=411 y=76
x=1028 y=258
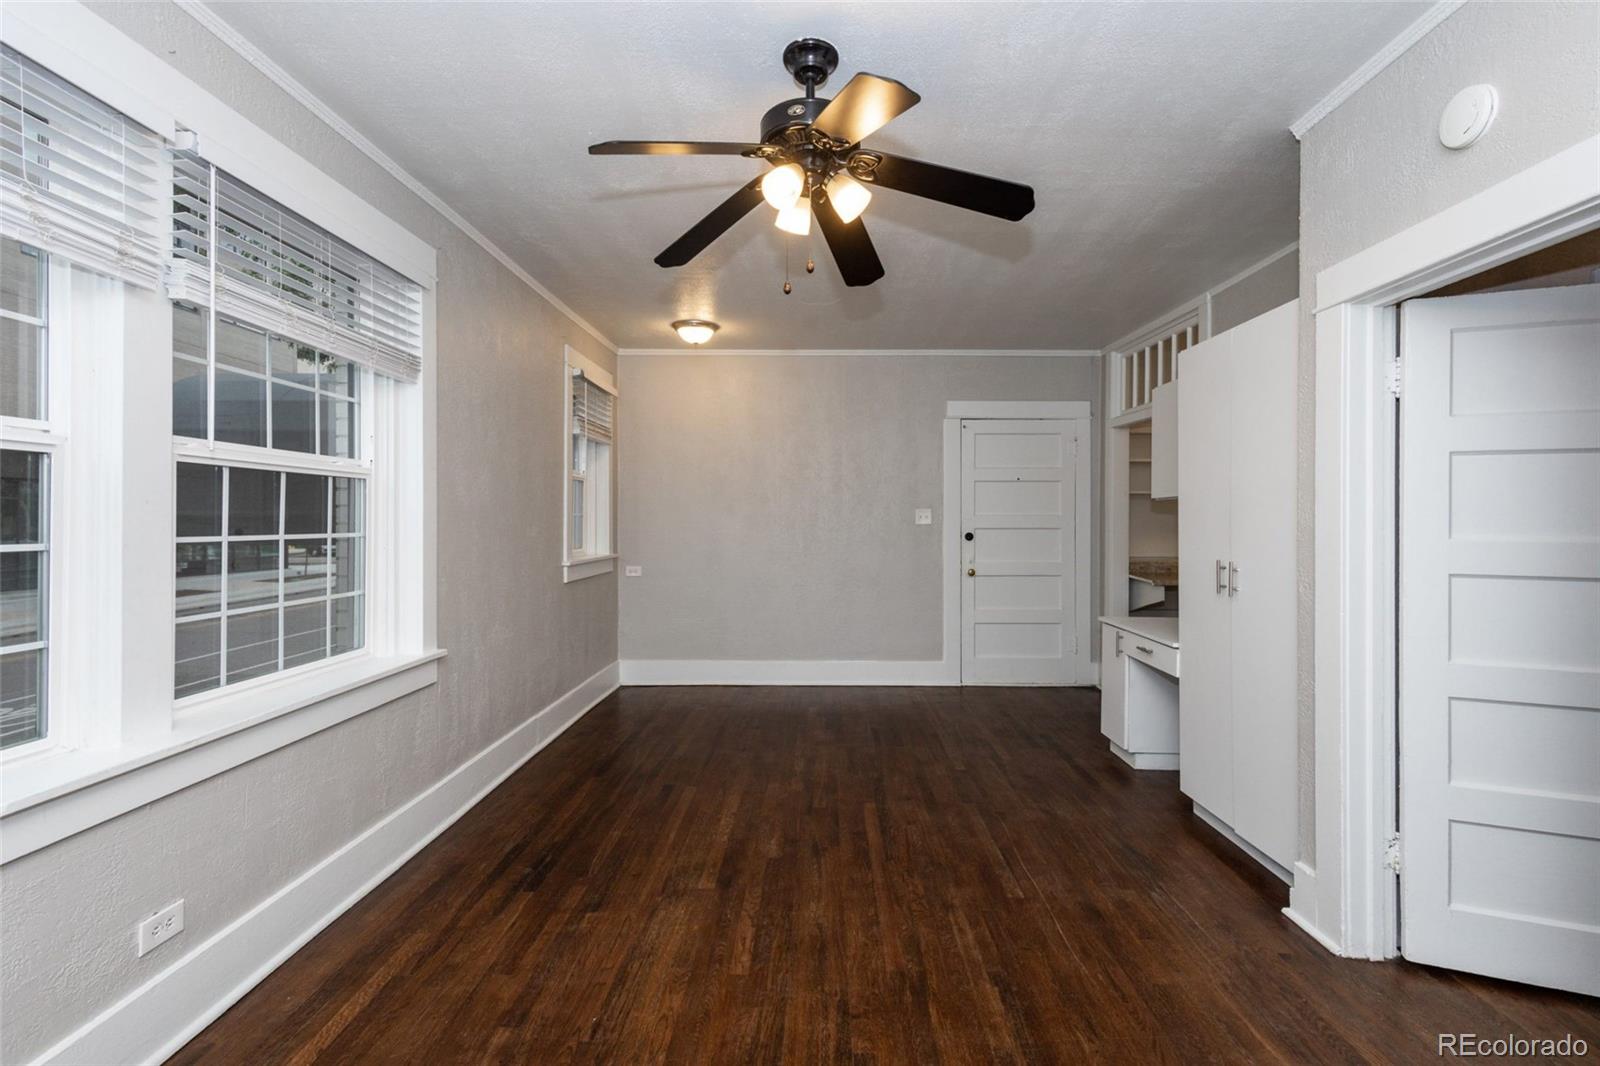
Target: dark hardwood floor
x=730 y=875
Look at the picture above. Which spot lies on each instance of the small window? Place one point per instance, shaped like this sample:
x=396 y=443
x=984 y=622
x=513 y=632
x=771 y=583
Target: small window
x=591 y=417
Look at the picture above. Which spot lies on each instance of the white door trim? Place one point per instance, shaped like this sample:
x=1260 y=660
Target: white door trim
x=955 y=411
x=1344 y=895
x=959 y=409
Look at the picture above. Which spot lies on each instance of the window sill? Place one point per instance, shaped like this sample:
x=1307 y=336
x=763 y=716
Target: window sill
x=55 y=795
x=588 y=566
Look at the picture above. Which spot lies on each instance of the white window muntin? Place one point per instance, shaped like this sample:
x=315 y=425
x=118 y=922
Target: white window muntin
x=361 y=595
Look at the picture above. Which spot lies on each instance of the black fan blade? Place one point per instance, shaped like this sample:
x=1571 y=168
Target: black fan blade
x=960 y=188
x=714 y=225
x=862 y=107
x=852 y=248
x=675 y=148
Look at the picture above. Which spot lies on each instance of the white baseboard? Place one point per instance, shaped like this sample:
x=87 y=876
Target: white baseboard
x=1244 y=845
x=787 y=672
x=159 y=1017
x=1145 y=760
x=1303 y=910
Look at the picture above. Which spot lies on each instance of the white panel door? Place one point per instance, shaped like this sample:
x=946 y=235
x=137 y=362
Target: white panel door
x=1020 y=522
x=1261 y=583
x=1205 y=696
x=1500 y=635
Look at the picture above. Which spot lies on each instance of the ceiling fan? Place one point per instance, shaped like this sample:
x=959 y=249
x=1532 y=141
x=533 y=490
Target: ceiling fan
x=818 y=167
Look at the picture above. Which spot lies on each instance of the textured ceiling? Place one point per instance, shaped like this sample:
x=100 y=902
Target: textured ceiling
x=1155 y=135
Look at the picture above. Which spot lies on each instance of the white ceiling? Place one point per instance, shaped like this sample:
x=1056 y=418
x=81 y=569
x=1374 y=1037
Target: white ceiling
x=1155 y=136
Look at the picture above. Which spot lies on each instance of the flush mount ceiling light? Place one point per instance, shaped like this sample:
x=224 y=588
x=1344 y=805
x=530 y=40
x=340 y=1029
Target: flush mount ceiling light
x=820 y=167
x=695 y=330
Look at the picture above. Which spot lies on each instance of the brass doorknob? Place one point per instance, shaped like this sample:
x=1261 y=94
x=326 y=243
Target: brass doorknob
x=971 y=572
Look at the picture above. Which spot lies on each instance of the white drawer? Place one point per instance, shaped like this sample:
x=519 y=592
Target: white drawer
x=1150 y=652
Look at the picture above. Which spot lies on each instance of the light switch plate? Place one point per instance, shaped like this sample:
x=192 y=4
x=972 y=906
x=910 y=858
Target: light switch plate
x=633 y=571
x=924 y=516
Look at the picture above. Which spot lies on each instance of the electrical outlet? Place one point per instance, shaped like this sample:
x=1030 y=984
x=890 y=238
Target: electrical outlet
x=923 y=516
x=160 y=927
x=633 y=571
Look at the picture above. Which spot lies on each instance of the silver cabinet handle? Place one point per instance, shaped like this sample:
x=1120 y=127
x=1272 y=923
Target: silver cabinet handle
x=1233 y=580
x=1147 y=651
x=1222 y=577
x=1119 y=643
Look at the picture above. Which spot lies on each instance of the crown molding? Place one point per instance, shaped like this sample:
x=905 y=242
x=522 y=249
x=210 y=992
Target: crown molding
x=1372 y=67
x=1035 y=353
x=1259 y=265
x=225 y=32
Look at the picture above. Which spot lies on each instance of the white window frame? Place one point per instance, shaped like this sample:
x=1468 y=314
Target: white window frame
x=579 y=564
x=227 y=454
x=117 y=738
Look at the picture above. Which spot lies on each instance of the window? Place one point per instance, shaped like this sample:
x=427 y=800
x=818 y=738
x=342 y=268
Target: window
x=270 y=572
x=591 y=409
x=24 y=555
x=268 y=391
x=24 y=495
x=188 y=558
x=22 y=331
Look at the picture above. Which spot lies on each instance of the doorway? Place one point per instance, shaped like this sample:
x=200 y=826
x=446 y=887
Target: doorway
x=1018 y=594
x=1499 y=639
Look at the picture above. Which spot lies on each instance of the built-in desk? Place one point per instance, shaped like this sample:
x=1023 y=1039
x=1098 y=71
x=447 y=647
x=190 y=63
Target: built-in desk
x=1139 y=690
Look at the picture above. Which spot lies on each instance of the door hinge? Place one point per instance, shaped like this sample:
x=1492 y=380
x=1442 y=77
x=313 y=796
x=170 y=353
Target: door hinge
x=1391 y=853
x=1392 y=378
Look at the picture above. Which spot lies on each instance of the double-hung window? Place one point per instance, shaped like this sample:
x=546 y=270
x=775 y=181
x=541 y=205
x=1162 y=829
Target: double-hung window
x=278 y=330
x=591 y=423
x=189 y=554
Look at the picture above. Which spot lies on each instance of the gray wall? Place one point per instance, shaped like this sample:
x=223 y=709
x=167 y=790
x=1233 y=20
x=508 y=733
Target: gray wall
x=770 y=498
x=517 y=636
x=1255 y=294
x=1375 y=166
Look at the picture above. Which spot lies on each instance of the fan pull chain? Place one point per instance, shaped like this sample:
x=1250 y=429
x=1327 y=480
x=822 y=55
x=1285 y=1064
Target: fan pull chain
x=787 y=287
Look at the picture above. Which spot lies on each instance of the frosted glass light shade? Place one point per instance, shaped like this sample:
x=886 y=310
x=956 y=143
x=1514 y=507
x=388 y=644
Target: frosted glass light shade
x=796 y=219
x=848 y=196
x=695 y=330
x=783 y=185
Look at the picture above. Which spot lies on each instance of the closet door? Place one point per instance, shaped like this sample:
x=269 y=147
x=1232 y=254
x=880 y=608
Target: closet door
x=1261 y=591
x=1205 y=734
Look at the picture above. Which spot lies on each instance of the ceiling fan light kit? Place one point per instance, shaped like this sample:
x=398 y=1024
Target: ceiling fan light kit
x=814 y=147
x=783 y=185
x=796 y=218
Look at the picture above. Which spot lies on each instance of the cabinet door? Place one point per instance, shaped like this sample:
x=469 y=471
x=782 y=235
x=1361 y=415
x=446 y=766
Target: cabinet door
x=1113 y=687
x=1265 y=754
x=1205 y=735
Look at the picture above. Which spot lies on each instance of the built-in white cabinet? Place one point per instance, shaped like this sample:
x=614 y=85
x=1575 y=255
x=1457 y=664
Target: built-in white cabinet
x=1236 y=581
x=1139 y=690
x=1164 y=443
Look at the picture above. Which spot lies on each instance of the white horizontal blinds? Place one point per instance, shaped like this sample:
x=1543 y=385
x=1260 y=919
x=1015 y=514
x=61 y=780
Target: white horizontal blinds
x=276 y=270
x=592 y=410
x=78 y=178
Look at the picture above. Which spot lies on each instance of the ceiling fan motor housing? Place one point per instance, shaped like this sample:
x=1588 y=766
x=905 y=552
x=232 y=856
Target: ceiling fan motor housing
x=789 y=115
